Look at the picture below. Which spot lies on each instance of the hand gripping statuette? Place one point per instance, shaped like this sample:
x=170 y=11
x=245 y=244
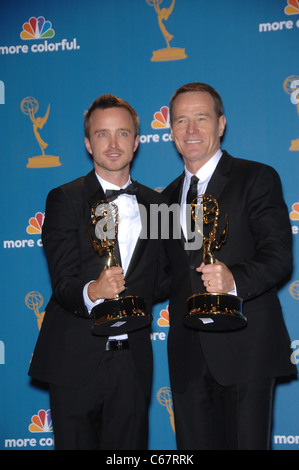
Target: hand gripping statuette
x=123 y=313
x=212 y=311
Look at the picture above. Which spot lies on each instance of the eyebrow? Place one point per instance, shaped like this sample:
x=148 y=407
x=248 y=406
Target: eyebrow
x=196 y=114
x=118 y=129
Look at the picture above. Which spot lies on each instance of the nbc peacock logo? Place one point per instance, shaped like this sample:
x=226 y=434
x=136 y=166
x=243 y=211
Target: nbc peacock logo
x=294 y=214
x=294 y=217
x=42 y=422
x=163 y=320
x=161 y=118
x=292 y=7
x=35 y=224
x=37 y=28
x=36 y=34
x=160 y=122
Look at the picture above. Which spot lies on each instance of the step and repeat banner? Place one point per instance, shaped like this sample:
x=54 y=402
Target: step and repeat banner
x=56 y=57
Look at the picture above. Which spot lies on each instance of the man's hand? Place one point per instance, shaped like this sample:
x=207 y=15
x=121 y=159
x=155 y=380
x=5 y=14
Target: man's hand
x=109 y=284
x=216 y=277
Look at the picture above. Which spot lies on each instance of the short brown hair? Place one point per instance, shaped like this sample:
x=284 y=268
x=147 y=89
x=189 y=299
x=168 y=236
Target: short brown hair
x=110 y=101
x=197 y=87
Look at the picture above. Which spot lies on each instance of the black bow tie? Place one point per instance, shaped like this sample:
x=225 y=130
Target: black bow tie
x=112 y=194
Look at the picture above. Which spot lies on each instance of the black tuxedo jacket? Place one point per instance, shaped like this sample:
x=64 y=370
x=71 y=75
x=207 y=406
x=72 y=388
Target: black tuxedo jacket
x=66 y=352
x=258 y=252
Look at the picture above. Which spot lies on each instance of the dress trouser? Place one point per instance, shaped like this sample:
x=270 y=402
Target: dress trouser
x=209 y=416
x=110 y=412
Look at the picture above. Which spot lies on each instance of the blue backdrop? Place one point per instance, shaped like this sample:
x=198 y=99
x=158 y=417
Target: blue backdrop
x=56 y=57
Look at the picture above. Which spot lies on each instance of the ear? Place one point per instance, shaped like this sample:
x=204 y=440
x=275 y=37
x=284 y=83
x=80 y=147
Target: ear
x=136 y=143
x=171 y=130
x=172 y=133
x=221 y=124
x=87 y=145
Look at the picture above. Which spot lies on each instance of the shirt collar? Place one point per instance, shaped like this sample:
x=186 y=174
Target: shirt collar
x=107 y=185
x=206 y=171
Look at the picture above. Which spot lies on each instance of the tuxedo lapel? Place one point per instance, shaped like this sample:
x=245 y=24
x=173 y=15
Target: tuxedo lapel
x=145 y=230
x=174 y=197
x=93 y=188
x=216 y=184
x=219 y=178
x=176 y=194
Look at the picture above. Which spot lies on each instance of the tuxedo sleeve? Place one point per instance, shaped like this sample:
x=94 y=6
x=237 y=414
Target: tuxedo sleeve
x=269 y=224
x=61 y=245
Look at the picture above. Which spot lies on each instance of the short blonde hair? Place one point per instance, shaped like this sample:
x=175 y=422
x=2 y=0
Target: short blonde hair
x=110 y=101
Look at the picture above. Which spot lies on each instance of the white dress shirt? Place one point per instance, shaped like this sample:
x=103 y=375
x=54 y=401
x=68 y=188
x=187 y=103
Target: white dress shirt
x=129 y=227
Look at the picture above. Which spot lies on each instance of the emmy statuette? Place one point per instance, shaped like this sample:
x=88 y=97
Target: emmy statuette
x=212 y=311
x=122 y=314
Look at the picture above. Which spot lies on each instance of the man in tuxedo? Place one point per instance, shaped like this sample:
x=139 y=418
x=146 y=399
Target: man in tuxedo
x=222 y=382
x=100 y=386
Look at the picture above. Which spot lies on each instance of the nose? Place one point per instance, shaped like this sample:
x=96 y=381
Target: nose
x=113 y=141
x=191 y=128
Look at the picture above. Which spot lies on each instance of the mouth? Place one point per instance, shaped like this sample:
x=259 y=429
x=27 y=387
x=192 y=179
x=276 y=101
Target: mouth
x=113 y=154
x=193 y=141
